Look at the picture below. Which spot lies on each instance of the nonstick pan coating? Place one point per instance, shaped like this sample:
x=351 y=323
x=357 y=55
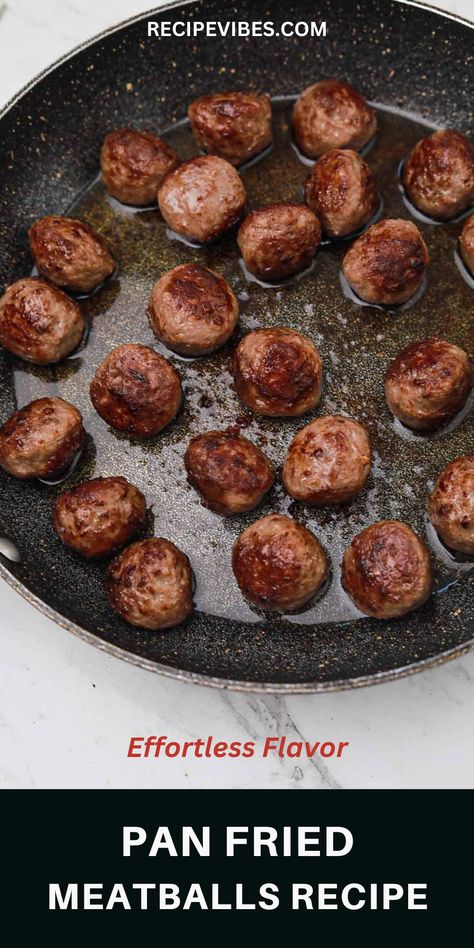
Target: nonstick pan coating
x=408 y=60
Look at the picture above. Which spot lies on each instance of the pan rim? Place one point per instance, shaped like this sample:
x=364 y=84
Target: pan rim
x=436 y=11
x=232 y=684
x=168 y=671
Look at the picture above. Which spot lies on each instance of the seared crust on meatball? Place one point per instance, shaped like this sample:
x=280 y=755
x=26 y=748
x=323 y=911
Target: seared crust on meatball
x=439 y=174
x=278 y=564
x=231 y=474
x=428 y=383
x=136 y=390
x=39 y=322
x=466 y=243
x=332 y=114
x=234 y=125
x=202 y=198
x=387 y=570
x=193 y=310
x=150 y=584
x=278 y=372
x=279 y=240
x=341 y=190
x=328 y=461
x=386 y=264
x=70 y=254
x=451 y=505
x=134 y=164
x=98 y=516
x=41 y=439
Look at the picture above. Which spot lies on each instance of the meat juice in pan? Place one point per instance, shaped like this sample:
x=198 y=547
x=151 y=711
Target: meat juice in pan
x=356 y=341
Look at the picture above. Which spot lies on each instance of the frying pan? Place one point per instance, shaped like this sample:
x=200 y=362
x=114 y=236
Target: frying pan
x=417 y=66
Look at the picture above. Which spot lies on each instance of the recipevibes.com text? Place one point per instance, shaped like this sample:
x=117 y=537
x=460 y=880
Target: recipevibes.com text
x=236 y=28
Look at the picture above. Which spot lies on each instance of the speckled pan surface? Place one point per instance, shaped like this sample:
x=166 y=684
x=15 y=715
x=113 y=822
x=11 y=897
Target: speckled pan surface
x=418 y=68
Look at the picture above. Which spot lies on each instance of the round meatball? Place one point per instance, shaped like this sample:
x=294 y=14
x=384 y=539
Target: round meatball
x=98 y=516
x=451 y=505
x=332 y=114
x=234 y=125
x=386 y=264
x=278 y=372
x=341 y=190
x=466 y=243
x=328 y=461
x=134 y=164
x=439 y=174
x=38 y=322
x=279 y=240
x=231 y=474
x=278 y=564
x=193 y=310
x=202 y=198
x=428 y=383
x=150 y=584
x=387 y=570
x=70 y=254
x=136 y=390
x=41 y=439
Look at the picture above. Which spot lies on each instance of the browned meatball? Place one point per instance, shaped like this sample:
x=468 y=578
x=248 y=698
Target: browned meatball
x=70 y=253
x=231 y=474
x=38 y=322
x=387 y=570
x=466 y=243
x=136 y=390
x=134 y=164
x=332 y=114
x=202 y=198
x=451 y=505
x=234 y=125
x=428 y=383
x=342 y=192
x=439 y=174
x=279 y=240
x=386 y=264
x=328 y=461
x=278 y=372
x=98 y=516
x=41 y=439
x=278 y=564
x=150 y=584
x=193 y=310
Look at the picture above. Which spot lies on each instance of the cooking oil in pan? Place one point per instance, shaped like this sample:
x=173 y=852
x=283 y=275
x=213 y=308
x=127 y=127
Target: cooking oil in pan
x=356 y=341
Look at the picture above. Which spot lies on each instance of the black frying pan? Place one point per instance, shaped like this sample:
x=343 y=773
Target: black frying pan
x=418 y=67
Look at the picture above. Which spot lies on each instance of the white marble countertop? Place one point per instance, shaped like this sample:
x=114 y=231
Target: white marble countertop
x=67 y=711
